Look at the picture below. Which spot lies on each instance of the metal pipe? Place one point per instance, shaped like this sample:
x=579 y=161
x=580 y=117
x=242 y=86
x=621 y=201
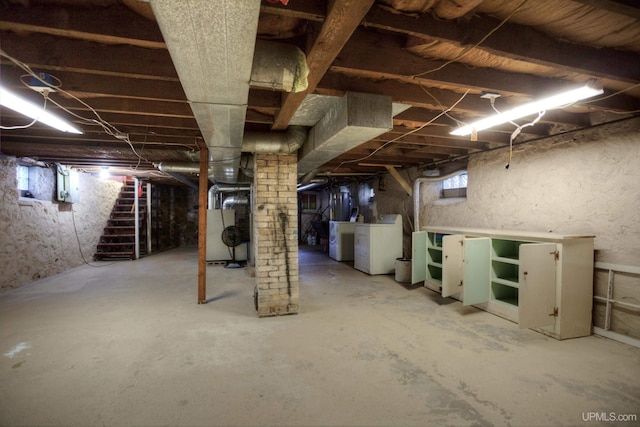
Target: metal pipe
x=609 y=301
x=221 y=188
x=309 y=176
x=275 y=142
x=234 y=200
x=416 y=194
x=179 y=167
x=316 y=182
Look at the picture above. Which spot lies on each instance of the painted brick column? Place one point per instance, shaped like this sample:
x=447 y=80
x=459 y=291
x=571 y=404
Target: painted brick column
x=275 y=234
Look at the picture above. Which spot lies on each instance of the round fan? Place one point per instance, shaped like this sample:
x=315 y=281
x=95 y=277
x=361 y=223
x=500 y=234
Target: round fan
x=232 y=237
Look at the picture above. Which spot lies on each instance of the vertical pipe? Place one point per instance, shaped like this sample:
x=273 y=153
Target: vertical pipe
x=148 y=218
x=607 y=317
x=202 y=225
x=136 y=222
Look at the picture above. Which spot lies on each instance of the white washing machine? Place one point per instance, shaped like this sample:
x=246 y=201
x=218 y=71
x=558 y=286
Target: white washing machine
x=341 y=240
x=377 y=246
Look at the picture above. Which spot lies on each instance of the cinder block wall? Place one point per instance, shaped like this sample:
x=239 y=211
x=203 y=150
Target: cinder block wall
x=275 y=234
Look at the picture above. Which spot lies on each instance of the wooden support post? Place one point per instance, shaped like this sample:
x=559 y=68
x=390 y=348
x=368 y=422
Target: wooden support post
x=148 y=218
x=203 y=187
x=396 y=175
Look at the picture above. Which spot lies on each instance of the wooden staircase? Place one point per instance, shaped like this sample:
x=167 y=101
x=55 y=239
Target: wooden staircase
x=118 y=238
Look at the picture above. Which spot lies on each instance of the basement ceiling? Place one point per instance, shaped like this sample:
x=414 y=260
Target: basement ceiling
x=436 y=57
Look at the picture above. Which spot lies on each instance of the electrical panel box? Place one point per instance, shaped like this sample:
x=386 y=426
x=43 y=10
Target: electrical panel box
x=68 y=189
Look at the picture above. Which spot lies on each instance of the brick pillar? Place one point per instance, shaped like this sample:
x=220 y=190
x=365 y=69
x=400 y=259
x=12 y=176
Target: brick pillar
x=276 y=234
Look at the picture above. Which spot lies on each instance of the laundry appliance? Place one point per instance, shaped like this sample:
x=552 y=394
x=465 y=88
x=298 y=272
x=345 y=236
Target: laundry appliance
x=377 y=246
x=341 y=240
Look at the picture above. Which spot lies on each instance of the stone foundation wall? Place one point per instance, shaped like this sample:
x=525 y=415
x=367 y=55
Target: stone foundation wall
x=276 y=234
x=580 y=183
x=38 y=237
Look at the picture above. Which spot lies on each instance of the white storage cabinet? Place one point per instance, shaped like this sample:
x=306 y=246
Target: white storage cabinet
x=538 y=280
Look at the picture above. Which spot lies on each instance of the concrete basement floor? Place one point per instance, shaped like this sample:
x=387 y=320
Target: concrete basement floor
x=126 y=344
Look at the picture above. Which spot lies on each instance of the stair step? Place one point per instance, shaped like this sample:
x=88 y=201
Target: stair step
x=118 y=239
x=114 y=256
x=129 y=198
x=124 y=244
x=124 y=214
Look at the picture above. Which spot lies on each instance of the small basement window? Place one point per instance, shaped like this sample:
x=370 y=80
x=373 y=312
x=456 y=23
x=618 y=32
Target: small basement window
x=23 y=179
x=35 y=183
x=455 y=187
x=308 y=202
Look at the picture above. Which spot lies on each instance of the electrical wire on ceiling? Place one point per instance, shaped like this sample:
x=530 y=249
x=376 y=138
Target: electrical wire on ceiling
x=44 y=107
x=518 y=129
x=106 y=126
x=469 y=48
x=404 y=134
x=460 y=122
x=612 y=95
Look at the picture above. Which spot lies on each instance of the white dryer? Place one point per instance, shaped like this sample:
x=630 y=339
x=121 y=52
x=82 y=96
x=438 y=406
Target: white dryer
x=341 y=240
x=377 y=246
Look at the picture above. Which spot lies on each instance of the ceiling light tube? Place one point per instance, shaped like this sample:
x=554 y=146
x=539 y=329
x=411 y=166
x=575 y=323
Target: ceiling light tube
x=592 y=88
x=14 y=102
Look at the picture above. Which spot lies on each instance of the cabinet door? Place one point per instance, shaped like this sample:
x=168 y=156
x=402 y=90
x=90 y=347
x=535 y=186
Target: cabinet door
x=418 y=256
x=452 y=264
x=476 y=277
x=537 y=283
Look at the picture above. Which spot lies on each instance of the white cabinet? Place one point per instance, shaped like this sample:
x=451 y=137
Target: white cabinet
x=538 y=280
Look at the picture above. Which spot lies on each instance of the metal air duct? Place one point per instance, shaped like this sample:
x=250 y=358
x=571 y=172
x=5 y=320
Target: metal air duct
x=313 y=183
x=212 y=44
x=279 y=66
x=221 y=188
x=232 y=201
x=179 y=167
x=275 y=142
x=353 y=120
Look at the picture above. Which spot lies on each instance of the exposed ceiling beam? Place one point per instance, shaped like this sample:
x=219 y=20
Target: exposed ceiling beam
x=343 y=17
x=91 y=86
x=45 y=52
x=622 y=7
x=360 y=58
x=530 y=46
x=84 y=24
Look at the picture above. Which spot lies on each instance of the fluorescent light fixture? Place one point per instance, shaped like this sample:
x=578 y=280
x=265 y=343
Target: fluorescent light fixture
x=592 y=88
x=29 y=109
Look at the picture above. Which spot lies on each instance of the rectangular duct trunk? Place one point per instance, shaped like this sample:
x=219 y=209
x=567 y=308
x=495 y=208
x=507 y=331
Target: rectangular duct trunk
x=212 y=44
x=356 y=118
